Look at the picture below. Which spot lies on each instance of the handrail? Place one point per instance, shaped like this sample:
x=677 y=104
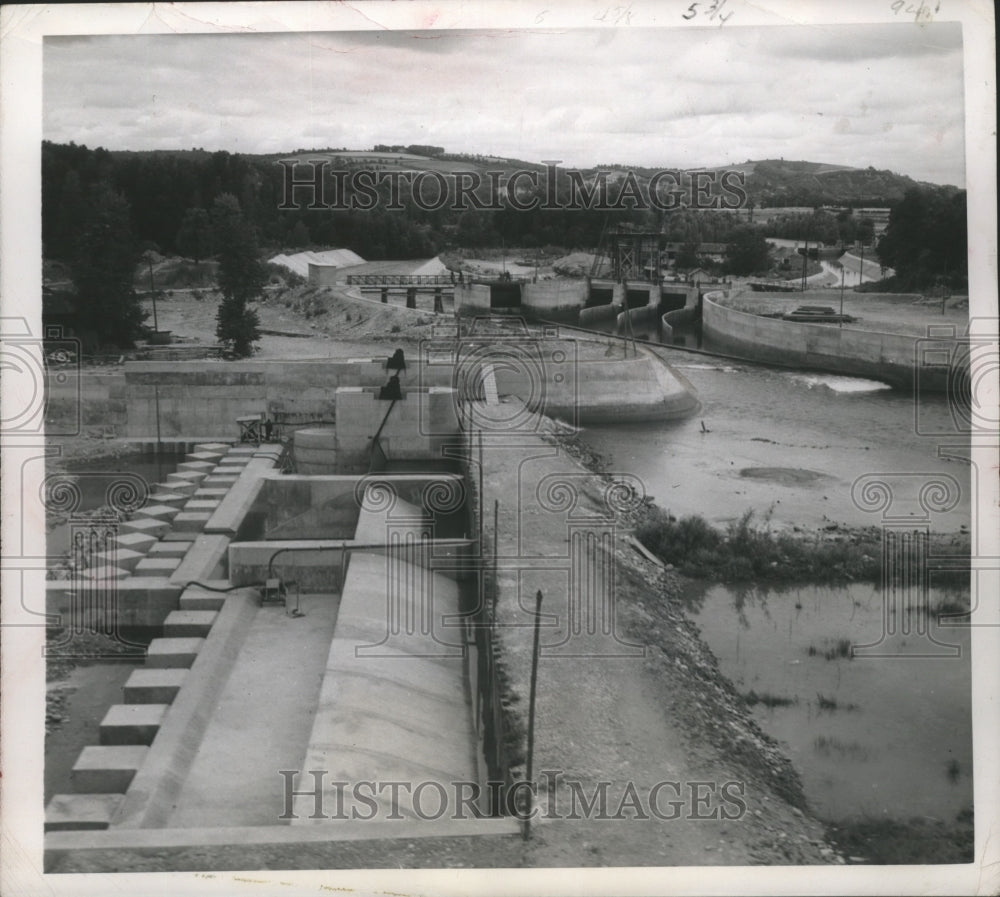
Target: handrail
x=381 y=426
x=376 y=444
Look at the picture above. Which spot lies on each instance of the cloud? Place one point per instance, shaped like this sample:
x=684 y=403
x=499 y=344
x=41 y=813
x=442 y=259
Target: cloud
x=857 y=96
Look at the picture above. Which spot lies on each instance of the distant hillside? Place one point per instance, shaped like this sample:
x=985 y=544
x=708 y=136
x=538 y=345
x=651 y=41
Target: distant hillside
x=770 y=182
x=776 y=182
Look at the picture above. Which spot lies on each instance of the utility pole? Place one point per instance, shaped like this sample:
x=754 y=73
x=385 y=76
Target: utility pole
x=152 y=292
x=843 y=272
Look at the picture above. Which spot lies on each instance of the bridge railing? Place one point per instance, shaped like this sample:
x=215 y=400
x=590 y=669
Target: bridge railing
x=400 y=280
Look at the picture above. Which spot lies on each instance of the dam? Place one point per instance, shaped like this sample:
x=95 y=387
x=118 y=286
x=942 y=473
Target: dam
x=334 y=621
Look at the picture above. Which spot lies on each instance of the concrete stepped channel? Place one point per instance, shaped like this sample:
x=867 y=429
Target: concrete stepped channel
x=220 y=732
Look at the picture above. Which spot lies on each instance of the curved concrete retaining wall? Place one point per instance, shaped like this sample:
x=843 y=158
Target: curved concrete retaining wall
x=557 y=300
x=891 y=357
x=679 y=317
x=596 y=313
x=640 y=317
x=593 y=392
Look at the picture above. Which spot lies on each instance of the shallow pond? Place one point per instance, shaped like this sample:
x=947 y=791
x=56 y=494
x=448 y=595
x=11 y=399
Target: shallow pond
x=884 y=736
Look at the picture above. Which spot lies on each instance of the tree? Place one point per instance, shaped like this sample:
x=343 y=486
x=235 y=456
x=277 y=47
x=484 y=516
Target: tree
x=241 y=276
x=747 y=252
x=927 y=238
x=103 y=268
x=194 y=237
x=687 y=255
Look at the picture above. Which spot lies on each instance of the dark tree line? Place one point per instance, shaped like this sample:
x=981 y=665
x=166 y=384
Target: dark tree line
x=927 y=240
x=171 y=194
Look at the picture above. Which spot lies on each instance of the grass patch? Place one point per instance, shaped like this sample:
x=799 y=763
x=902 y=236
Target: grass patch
x=831 y=704
x=747 y=552
x=840 y=649
x=897 y=841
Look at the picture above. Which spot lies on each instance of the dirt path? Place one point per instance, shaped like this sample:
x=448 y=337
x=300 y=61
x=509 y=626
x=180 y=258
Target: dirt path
x=630 y=721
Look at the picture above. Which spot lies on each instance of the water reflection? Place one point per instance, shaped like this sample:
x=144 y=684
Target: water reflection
x=887 y=736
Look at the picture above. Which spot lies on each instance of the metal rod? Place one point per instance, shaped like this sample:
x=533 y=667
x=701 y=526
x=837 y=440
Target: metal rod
x=843 y=272
x=496 y=538
x=481 y=496
x=152 y=293
x=526 y=832
x=156 y=395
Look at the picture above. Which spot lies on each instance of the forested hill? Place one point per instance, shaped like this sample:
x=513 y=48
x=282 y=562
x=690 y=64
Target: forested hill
x=775 y=182
x=169 y=193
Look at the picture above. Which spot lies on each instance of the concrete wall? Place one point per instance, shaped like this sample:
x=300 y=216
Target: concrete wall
x=885 y=356
x=554 y=300
x=472 y=299
x=323 y=275
x=417 y=428
x=318 y=565
x=328 y=507
x=679 y=317
x=557 y=300
x=205 y=402
x=594 y=392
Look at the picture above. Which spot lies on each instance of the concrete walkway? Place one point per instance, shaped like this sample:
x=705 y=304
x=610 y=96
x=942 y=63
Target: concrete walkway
x=262 y=720
x=394 y=705
x=602 y=713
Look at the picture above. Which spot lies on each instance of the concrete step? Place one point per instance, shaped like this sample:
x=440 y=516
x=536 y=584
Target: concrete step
x=153 y=686
x=169 y=549
x=202 y=504
x=199 y=466
x=194 y=598
x=188 y=623
x=158 y=512
x=135 y=541
x=214 y=447
x=173 y=653
x=211 y=457
x=107 y=769
x=175 y=536
x=145 y=525
x=177 y=487
x=167 y=497
x=132 y=723
x=158 y=565
x=238 y=450
x=233 y=465
x=125 y=558
x=219 y=492
x=186 y=476
x=191 y=521
x=76 y=812
x=219 y=480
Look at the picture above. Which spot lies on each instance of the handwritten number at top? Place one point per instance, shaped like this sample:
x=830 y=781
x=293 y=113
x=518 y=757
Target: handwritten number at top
x=713 y=10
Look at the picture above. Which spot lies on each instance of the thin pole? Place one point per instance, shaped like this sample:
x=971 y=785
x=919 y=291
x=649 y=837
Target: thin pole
x=481 y=496
x=861 y=271
x=843 y=272
x=152 y=292
x=156 y=395
x=526 y=833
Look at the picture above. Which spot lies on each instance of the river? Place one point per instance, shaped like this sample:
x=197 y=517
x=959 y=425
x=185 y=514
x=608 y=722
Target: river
x=786 y=443
x=870 y=736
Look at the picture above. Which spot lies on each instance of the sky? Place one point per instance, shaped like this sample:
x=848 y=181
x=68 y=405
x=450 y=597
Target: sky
x=888 y=96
